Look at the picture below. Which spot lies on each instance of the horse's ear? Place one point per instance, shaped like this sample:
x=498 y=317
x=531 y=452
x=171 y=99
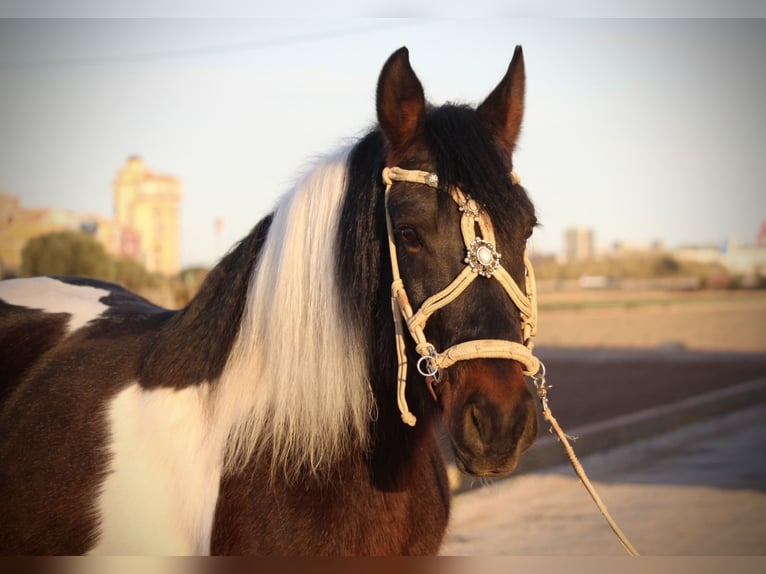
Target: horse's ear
x=504 y=107
x=401 y=105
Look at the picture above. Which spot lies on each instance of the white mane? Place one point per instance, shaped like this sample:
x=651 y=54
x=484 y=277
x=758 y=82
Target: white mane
x=296 y=380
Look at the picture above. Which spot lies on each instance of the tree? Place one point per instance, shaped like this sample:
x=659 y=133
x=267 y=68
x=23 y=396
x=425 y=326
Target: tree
x=133 y=275
x=665 y=266
x=67 y=253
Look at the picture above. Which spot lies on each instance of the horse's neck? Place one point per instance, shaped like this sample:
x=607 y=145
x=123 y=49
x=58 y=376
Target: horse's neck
x=393 y=501
x=194 y=345
x=397 y=450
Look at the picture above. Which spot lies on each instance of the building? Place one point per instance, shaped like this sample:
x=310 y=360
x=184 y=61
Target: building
x=19 y=224
x=579 y=244
x=145 y=227
x=733 y=256
x=146 y=209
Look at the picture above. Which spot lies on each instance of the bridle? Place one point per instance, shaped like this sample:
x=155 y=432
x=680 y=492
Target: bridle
x=482 y=259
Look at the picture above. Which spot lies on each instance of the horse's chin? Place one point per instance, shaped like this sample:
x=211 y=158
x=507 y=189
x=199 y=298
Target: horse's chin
x=484 y=468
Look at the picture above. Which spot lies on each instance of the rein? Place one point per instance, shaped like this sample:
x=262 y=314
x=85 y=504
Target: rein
x=482 y=259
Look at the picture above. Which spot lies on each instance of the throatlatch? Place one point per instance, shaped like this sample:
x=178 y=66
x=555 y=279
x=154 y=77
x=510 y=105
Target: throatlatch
x=482 y=259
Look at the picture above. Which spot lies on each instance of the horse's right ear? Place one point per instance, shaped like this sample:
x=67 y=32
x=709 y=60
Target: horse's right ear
x=401 y=105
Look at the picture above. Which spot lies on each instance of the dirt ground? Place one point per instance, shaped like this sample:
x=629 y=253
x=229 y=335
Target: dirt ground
x=705 y=320
x=699 y=490
x=614 y=353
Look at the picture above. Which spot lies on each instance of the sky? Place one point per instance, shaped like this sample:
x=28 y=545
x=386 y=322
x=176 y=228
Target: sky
x=642 y=129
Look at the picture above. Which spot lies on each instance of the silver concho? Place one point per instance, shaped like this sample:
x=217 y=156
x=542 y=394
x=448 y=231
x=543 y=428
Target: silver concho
x=482 y=257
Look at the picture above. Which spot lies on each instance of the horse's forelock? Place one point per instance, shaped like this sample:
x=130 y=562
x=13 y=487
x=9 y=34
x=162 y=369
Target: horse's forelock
x=467 y=156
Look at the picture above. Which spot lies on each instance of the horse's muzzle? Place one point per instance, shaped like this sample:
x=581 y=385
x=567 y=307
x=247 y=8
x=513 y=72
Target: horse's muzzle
x=491 y=416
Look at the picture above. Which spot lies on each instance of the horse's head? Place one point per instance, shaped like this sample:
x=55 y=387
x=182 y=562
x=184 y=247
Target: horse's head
x=458 y=223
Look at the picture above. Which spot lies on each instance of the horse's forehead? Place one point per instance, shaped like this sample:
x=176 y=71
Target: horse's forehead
x=83 y=303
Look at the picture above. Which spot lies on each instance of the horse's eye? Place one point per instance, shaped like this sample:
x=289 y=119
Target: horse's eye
x=532 y=224
x=409 y=239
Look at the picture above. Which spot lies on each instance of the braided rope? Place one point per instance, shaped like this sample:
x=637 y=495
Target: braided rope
x=542 y=393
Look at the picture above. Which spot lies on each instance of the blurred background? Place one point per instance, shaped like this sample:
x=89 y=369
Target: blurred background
x=167 y=140
x=141 y=150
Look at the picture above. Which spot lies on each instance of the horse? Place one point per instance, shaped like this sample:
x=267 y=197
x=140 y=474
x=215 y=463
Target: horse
x=275 y=413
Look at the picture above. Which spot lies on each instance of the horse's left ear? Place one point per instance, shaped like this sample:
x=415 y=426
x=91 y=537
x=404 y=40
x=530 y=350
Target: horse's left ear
x=504 y=107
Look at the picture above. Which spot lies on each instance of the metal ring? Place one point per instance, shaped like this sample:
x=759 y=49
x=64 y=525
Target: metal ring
x=431 y=372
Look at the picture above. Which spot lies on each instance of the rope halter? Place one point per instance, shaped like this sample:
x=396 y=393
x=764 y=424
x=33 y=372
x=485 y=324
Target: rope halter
x=482 y=259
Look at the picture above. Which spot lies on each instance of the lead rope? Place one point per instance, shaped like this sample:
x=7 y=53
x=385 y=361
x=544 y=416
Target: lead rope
x=542 y=393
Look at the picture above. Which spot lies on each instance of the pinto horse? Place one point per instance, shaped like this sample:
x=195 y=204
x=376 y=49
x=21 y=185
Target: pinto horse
x=275 y=413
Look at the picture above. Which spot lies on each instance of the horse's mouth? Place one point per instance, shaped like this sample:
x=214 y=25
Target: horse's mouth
x=470 y=468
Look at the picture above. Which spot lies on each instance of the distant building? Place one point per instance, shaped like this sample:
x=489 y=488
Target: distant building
x=625 y=247
x=146 y=225
x=579 y=244
x=736 y=258
x=18 y=225
x=747 y=259
x=146 y=210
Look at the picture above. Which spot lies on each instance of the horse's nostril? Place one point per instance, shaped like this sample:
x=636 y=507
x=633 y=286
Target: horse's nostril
x=476 y=423
x=476 y=419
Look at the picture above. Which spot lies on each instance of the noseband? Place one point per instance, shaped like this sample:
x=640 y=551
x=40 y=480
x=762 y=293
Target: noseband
x=482 y=259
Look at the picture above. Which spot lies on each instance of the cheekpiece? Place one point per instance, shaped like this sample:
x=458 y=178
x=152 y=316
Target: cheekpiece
x=482 y=257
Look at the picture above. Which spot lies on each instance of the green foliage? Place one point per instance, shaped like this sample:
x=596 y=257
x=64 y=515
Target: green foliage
x=66 y=253
x=77 y=253
x=665 y=266
x=134 y=276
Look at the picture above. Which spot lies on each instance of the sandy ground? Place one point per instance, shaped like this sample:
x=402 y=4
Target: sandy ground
x=700 y=321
